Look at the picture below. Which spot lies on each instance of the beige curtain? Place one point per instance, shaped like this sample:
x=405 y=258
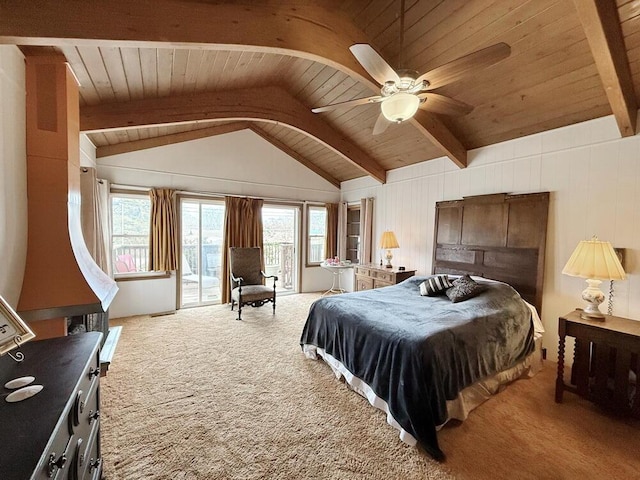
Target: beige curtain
x=366 y=229
x=96 y=223
x=331 y=238
x=163 y=244
x=342 y=230
x=242 y=228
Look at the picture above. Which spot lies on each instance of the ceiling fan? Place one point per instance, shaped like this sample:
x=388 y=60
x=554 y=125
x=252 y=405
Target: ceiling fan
x=403 y=91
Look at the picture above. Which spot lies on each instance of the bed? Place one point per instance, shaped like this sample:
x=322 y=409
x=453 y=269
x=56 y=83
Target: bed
x=421 y=359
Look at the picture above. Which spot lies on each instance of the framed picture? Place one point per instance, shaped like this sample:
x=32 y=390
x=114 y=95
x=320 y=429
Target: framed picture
x=13 y=331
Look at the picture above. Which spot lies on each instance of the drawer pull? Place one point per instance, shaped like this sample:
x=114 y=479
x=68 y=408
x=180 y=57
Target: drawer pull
x=94 y=372
x=94 y=463
x=78 y=406
x=54 y=464
x=93 y=415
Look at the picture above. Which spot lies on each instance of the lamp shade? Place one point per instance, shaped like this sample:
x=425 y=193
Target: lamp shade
x=400 y=106
x=389 y=240
x=594 y=259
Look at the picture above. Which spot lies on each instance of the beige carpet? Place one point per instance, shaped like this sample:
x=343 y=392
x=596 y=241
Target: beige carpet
x=199 y=395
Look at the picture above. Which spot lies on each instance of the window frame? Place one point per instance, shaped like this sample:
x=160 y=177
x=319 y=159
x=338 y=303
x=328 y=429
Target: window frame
x=128 y=276
x=308 y=236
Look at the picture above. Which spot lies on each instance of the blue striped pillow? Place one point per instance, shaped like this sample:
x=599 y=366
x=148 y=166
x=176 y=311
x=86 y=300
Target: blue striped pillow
x=435 y=285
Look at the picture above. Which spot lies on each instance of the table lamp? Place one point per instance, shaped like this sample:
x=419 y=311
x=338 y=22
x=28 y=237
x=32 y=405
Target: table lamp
x=594 y=260
x=388 y=241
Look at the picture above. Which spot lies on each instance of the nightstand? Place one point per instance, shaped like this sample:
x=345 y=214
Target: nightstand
x=606 y=361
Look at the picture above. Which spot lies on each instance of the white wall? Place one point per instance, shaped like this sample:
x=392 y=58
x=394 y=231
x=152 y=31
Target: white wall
x=13 y=173
x=594 y=180
x=238 y=163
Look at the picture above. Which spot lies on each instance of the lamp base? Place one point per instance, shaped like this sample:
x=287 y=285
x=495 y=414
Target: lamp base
x=389 y=256
x=594 y=297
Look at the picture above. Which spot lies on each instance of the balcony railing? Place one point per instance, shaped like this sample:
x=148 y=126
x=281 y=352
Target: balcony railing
x=278 y=257
x=130 y=258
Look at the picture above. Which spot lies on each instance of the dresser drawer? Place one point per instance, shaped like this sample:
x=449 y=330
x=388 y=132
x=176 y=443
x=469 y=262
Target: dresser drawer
x=85 y=460
x=363 y=284
x=362 y=271
x=56 y=463
x=379 y=284
x=383 y=276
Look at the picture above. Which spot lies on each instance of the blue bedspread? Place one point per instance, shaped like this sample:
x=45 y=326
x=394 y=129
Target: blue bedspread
x=417 y=352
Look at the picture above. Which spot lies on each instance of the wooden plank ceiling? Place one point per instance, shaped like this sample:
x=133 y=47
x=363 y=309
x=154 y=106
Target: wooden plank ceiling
x=550 y=79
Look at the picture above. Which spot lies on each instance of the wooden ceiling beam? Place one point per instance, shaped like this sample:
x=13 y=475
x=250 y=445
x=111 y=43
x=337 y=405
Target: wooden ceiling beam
x=601 y=24
x=432 y=127
x=293 y=154
x=311 y=32
x=163 y=140
x=270 y=104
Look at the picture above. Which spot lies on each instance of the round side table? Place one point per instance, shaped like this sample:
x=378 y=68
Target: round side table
x=336 y=270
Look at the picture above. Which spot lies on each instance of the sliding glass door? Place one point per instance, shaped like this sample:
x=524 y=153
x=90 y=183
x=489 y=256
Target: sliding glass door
x=281 y=232
x=201 y=234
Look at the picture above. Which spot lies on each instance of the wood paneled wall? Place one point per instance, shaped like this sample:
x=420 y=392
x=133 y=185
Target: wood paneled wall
x=594 y=180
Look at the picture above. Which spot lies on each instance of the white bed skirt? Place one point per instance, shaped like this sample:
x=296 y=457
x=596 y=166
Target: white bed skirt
x=458 y=408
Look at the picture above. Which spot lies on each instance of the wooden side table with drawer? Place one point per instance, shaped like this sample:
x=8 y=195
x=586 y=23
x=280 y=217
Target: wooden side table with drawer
x=372 y=276
x=606 y=361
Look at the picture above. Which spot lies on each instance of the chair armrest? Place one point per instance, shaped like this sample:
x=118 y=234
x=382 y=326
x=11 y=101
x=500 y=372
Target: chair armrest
x=275 y=278
x=238 y=280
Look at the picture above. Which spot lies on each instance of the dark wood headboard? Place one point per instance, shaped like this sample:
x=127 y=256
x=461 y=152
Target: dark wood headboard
x=499 y=236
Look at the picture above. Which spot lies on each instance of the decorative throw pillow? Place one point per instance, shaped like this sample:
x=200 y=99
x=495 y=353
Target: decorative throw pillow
x=463 y=289
x=436 y=285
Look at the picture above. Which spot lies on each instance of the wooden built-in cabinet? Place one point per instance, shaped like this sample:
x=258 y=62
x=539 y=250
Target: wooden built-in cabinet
x=353 y=234
x=373 y=276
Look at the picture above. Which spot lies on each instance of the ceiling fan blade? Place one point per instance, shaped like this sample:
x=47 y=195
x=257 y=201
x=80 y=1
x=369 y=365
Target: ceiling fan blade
x=445 y=105
x=381 y=125
x=455 y=70
x=349 y=103
x=373 y=63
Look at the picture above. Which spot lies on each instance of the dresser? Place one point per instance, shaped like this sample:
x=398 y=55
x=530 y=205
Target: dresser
x=606 y=361
x=56 y=433
x=372 y=276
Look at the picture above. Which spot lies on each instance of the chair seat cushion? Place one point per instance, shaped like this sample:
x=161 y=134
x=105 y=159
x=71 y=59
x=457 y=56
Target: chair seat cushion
x=251 y=293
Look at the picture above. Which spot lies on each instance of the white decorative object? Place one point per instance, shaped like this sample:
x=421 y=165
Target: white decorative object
x=24 y=393
x=19 y=382
x=594 y=260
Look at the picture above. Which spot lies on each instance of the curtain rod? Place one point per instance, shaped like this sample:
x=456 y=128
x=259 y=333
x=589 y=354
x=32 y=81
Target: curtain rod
x=222 y=195
x=216 y=195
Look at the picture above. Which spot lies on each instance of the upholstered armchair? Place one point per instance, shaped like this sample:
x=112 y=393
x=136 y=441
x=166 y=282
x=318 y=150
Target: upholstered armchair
x=247 y=279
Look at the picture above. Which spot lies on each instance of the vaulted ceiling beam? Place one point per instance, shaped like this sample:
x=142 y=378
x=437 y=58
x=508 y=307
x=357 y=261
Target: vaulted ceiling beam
x=163 y=140
x=270 y=104
x=602 y=26
x=306 y=31
x=293 y=154
x=170 y=139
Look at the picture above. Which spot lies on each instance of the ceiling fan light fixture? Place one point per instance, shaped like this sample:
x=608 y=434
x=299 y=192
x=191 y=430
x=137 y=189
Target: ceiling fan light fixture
x=400 y=107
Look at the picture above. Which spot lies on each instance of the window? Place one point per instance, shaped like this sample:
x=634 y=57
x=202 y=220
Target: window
x=316 y=233
x=130 y=225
